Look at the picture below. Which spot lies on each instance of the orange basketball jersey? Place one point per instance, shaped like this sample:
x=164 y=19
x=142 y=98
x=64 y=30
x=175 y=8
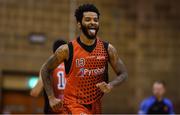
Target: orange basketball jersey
x=87 y=69
x=58 y=81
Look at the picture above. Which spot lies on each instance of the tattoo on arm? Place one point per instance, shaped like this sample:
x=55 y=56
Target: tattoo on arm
x=60 y=55
x=117 y=65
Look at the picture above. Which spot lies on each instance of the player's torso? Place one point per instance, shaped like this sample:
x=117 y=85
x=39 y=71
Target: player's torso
x=87 y=69
x=58 y=81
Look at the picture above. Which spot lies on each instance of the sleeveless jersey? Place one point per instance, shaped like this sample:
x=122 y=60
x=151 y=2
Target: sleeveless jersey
x=87 y=69
x=58 y=81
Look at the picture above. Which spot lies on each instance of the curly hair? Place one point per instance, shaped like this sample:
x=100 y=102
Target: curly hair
x=85 y=8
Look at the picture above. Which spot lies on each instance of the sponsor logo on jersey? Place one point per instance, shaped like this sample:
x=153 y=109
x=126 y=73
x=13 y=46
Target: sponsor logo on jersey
x=90 y=57
x=100 y=57
x=91 y=72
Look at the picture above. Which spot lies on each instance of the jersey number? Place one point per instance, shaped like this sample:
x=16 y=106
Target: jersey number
x=61 y=80
x=80 y=62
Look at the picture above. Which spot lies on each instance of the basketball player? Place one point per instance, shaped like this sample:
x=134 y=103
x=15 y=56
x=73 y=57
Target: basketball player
x=86 y=64
x=58 y=82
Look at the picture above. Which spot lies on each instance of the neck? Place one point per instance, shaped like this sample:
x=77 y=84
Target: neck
x=159 y=98
x=87 y=41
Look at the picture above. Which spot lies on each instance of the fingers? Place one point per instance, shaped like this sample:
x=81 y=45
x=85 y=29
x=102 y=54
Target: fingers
x=56 y=105
x=56 y=108
x=102 y=84
x=104 y=87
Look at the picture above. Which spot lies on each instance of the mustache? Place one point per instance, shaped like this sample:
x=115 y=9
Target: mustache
x=93 y=27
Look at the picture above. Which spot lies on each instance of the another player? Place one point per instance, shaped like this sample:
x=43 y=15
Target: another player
x=58 y=83
x=86 y=63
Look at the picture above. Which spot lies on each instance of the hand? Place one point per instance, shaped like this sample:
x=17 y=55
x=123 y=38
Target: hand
x=55 y=103
x=106 y=88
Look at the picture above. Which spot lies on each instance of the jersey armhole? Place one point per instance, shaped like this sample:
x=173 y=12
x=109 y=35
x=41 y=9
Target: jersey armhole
x=106 y=44
x=68 y=62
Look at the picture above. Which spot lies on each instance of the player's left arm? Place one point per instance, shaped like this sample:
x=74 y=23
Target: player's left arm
x=119 y=68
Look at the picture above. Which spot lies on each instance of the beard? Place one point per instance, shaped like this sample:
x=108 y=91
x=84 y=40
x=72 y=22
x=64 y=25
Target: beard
x=87 y=32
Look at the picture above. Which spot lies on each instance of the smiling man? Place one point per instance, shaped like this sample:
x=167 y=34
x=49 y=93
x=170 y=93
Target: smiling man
x=86 y=64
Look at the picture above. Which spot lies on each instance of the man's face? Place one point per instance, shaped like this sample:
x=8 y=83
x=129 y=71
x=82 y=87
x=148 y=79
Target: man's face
x=90 y=24
x=158 y=90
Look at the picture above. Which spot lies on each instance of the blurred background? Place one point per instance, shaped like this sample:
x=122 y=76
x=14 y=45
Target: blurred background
x=145 y=33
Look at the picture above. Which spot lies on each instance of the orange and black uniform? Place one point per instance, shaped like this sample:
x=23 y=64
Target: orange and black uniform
x=58 y=82
x=87 y=66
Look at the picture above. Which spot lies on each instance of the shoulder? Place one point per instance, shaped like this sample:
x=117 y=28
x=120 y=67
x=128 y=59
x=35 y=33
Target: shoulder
x=62 y=51
x=145 y=104
x=167 y=101
x=148 y=100
x=63 y=48
x=111 y=47
x=112 y=51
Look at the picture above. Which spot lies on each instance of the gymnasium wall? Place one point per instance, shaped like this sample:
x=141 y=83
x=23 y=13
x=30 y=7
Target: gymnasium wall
x=145 y=33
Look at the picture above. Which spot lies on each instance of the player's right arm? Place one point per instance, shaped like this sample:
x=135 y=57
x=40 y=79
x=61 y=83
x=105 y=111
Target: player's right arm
x=60 y=55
